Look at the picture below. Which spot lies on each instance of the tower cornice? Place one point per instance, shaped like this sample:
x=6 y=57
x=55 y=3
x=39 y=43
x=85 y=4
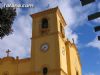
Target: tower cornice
x=51 y=10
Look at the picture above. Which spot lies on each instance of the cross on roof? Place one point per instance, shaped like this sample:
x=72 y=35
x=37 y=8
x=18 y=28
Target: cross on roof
x=8 y=51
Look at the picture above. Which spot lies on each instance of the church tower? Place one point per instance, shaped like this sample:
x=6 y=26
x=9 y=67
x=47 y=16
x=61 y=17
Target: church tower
x=49 y=53
x=48 y=46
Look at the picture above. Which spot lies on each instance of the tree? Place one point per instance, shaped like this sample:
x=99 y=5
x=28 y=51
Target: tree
x=7 y=16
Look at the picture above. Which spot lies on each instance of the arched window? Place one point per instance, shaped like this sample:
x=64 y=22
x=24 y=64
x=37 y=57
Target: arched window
x=45 y=71
x=62 y=30
x=77 y=73
x=44 y=23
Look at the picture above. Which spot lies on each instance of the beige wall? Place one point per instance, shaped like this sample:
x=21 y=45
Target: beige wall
x=8 y=66
x=63 y=57
x=24 y=67
x=74 y=60
x=50 y=58
x=37 y=23
x=13 y=67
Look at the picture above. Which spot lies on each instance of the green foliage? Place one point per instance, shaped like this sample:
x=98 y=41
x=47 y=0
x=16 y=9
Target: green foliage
x=7 y=16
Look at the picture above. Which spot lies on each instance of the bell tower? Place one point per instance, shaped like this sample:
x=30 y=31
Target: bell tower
x=48 y=52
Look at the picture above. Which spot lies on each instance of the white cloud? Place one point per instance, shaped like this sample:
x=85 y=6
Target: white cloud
x=99 y=5
x=23 y=24
x=19 y=42
x=67 y=11
x=97 y=20
x=90 y=73
x=95 y=43
x=70 y=35
x=7 y=1
x=75 y=16
x=98 y=62
x=18 y=11
x=70 y=17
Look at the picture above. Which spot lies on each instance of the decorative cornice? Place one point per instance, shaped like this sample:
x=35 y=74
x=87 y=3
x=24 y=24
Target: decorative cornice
x=14 y=60
x=77 y=53
x=8 y=59
x=51 y=10
x=24 y=60
x=75 y=48
x=39 y=36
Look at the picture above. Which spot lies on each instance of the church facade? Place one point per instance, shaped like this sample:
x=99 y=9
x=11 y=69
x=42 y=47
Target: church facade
x=51 y=52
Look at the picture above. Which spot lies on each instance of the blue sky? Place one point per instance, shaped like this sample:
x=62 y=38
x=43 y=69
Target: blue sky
x=78 y=27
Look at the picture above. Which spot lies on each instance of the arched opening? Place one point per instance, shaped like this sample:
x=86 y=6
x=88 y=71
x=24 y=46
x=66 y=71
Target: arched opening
x=77 y=73
x=44 y=23
x=45 y=71
x=62 y=30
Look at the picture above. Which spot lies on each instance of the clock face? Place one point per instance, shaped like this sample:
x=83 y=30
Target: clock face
x=44 y=47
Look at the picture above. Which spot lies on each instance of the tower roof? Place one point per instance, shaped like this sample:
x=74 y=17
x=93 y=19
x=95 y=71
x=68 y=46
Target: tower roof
x=51 y=10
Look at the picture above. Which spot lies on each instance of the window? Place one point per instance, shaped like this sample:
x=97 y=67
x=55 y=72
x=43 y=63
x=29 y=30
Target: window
x=77 y=73
x=44 y=23
x=45 y=71
x=62 y=30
